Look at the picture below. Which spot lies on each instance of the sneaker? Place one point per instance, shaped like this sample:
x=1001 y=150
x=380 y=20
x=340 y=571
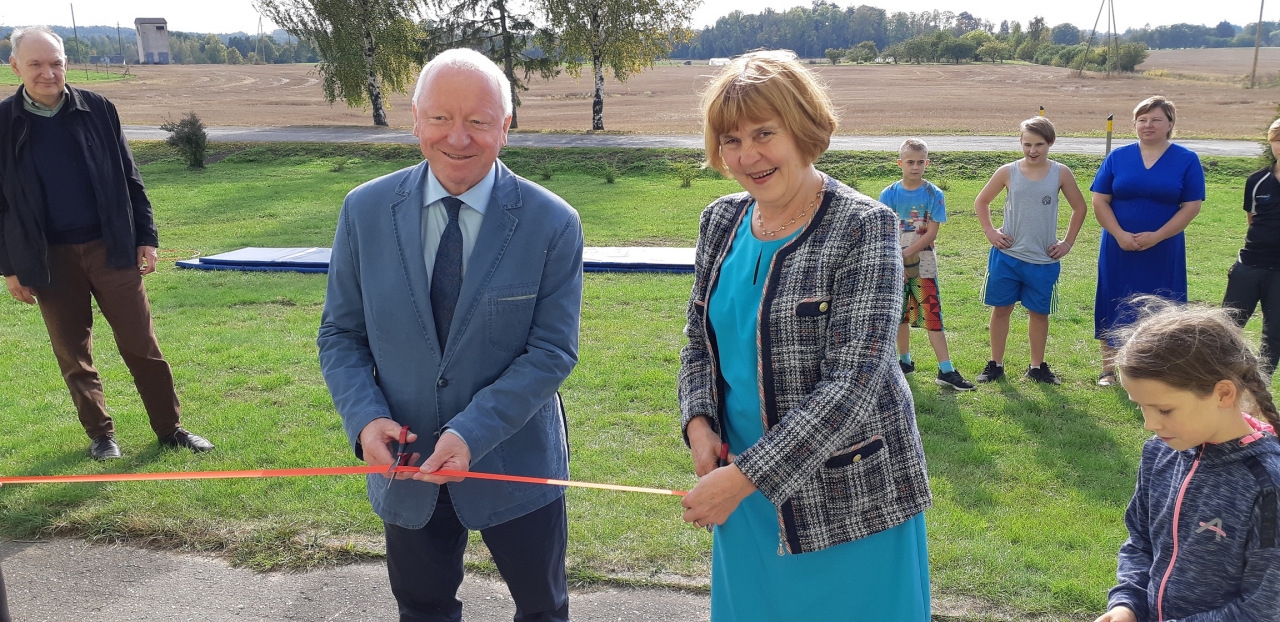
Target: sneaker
x=907 y=368
x=954 y=380
x=1107 y=378
x=1042 y=374
x=990 y=373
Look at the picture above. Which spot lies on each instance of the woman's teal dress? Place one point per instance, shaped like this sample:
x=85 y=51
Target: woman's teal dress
x=884 y=576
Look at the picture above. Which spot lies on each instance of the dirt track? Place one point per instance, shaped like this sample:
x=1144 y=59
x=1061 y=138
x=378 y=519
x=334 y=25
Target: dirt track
x=977 y=98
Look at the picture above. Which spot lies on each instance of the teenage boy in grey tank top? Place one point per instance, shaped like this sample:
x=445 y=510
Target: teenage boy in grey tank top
x=1025 y=250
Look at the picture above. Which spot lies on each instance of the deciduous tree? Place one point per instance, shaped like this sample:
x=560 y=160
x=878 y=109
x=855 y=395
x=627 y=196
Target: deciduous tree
x=507 y=37
x=626 y=36
x=364 y=45
x=994 y=51
x=864 y=52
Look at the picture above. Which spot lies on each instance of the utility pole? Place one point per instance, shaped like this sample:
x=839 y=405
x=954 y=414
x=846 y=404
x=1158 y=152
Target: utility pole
x=75 y=32
x=1257 y=42
x=1112 y=41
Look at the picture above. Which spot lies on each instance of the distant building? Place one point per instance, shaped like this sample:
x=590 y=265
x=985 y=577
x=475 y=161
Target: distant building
x=153 y=40
x=716 y=62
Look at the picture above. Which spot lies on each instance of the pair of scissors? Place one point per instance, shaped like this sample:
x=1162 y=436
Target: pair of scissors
x=402 y=455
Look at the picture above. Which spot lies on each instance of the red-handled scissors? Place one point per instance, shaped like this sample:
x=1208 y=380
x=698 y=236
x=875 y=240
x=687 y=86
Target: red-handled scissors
x=402 y=455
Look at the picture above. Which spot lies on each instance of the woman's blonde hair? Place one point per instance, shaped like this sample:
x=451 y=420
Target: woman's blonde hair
x=760 y=85
x=1193 y=347
x=1165 y=106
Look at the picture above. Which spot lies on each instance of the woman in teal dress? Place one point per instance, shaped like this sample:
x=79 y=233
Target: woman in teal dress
x=800 y=423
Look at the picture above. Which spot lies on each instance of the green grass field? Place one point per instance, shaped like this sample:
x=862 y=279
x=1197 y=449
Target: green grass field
x=75 y=76
x=1030 y=482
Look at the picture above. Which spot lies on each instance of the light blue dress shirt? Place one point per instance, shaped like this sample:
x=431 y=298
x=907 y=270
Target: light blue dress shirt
x=434 y=216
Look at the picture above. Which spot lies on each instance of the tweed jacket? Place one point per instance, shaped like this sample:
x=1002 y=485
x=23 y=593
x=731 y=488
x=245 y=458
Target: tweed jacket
x=840 y=456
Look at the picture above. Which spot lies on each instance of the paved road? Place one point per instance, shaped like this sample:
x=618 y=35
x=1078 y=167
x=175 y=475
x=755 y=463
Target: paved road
x=346 y=134
x=68 y=580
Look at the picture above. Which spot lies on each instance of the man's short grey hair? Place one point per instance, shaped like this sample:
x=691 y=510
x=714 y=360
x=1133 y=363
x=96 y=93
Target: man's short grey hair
x=463 y=58
x=21 y=33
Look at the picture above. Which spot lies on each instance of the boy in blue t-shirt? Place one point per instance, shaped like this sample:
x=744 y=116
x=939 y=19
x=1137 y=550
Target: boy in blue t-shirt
x=921 y=209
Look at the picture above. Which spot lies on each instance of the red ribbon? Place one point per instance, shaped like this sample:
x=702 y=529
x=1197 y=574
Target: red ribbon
x=312 y=472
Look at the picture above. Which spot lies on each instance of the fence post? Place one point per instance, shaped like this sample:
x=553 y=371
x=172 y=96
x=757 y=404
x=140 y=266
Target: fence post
x=1110 y=120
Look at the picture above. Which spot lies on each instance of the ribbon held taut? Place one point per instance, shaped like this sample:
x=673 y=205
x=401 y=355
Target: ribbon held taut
x=320 y=471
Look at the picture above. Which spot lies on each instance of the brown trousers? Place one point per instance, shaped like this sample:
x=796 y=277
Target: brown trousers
x=79 y=271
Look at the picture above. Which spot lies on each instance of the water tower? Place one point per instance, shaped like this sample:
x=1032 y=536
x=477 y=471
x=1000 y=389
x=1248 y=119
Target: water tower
x=153 y=40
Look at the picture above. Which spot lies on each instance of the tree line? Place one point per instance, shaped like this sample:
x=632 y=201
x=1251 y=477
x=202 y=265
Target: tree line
x=184 y=48
x=867 y=34
x=811 y=31
x=1224 y=35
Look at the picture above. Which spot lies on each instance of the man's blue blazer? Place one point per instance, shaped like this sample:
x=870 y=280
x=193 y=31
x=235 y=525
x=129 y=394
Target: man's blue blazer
x=513 y=341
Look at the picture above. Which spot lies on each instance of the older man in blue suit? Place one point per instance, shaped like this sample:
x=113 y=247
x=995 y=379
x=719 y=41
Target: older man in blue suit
x=455 y=290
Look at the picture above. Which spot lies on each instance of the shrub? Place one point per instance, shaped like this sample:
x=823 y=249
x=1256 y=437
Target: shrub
x=189 y=137
x=687 y=172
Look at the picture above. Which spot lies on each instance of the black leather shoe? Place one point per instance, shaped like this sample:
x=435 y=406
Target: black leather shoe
x=183 y=438
x=104 y=448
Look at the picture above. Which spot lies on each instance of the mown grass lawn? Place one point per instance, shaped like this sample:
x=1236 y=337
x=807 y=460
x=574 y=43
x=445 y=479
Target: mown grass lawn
x=1030 y=482
x=76 y=76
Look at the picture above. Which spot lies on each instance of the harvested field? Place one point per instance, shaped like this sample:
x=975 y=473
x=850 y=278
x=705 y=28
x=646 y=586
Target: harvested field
x=1220 y=63
x=976 y=98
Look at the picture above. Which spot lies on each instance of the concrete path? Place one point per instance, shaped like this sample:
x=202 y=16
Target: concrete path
x=68 y=580
x=345 y=134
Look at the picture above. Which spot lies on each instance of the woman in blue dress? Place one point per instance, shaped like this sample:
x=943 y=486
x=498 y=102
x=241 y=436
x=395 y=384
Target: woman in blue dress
x=800 y=422
x=1144 y=195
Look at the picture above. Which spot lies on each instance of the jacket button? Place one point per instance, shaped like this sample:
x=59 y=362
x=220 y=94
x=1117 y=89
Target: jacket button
x=823 y=307
x=442 y=383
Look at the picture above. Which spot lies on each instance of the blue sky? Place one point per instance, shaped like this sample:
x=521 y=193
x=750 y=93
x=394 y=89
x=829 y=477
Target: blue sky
x=239 y=15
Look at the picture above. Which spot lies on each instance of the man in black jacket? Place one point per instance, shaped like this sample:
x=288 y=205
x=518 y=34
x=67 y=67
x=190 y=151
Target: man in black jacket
x=75 y=223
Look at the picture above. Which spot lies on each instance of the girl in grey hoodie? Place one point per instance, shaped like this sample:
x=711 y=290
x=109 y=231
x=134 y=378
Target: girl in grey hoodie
x=1202 y=523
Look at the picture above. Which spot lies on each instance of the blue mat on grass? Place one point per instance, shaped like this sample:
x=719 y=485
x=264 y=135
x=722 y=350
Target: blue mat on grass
x=594 y=259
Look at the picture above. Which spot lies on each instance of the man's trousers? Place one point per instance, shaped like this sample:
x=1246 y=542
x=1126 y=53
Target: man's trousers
x=425 y=565
x=80 y=273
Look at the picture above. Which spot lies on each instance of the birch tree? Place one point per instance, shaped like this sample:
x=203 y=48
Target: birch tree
x=365 y=46
x=506 y=36
x=624 y=36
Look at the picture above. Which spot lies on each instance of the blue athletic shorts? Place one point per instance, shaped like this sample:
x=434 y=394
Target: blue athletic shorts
x=1010 y=280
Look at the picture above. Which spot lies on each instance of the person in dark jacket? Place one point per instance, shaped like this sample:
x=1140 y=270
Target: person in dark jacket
x=1203 y=521
x=1255 y=277
x=75 y=223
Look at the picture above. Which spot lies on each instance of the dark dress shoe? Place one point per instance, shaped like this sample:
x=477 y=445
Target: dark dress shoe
x=183 y=438
x=104 y=448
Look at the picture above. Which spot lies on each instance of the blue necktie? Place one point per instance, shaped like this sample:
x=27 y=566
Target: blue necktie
x=446 y=277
